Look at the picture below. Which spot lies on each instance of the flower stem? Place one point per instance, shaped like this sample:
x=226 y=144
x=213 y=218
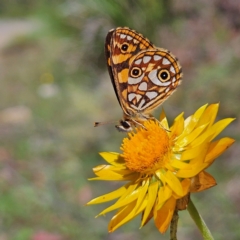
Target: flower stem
x=199 y=221
x=173 y=227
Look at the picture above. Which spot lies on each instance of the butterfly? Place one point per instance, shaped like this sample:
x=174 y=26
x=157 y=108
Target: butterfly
x=143 y=76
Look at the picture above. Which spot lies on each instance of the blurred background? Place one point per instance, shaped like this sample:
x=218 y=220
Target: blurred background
x=54 y=85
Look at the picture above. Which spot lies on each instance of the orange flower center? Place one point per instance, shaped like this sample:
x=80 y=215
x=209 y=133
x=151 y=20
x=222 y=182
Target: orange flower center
x=148 y=149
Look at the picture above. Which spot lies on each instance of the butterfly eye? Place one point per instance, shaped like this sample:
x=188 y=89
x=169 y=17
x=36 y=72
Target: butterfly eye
x=124 y=47
x=136 y=72
x=125 y=124
x=164 y=75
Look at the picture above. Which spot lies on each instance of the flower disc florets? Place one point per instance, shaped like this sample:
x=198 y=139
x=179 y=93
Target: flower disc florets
x=147 y=149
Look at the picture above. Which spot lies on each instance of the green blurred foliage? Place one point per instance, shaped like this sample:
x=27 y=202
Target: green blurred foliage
x=54 y=85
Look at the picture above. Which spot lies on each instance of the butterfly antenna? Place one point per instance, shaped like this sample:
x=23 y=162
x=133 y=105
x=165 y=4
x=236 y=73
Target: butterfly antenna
x=96 y=124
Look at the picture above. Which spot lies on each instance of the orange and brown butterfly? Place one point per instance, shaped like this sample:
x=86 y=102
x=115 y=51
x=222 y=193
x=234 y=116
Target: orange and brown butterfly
x=143 y=75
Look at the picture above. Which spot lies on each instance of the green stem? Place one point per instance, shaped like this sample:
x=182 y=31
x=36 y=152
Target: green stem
x=173 y=226
x=199 y=221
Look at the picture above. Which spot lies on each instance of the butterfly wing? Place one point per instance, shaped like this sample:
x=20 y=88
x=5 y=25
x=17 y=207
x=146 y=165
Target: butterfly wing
x=153 y=76
x=121 y=47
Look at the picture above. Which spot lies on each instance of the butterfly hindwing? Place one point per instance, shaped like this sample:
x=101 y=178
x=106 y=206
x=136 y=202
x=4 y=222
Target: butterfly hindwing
x=153 y=76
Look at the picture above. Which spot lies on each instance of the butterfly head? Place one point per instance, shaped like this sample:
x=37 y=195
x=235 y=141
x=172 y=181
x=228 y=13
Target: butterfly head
x=132 y=120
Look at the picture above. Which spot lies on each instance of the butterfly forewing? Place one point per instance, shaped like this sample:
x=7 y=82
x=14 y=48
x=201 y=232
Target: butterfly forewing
x=121 y=47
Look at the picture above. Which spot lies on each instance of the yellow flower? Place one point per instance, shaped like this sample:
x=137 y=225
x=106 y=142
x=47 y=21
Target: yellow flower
x=162 y=166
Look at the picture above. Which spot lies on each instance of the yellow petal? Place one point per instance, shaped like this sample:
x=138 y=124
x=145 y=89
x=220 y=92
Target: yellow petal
x=202 y=182
x=150 y=216
x=108 y=172
x=200 y=158
x=196 y=168
x=177 y=126
x=209 y=115
x=218 y=147
x=164 y=193
x=131 y=187
x=114 y=159
x=159 y=173
x=152 y=195
x=163 y=119
x=192 y=121
x=109 y=196
x=173 y=182
x=220 y=125
x=169 y=167
x=120 y=216
x=197 y=164
x=191 y=153
x=185 y=185
x=213 y=131
x=163 y=216
x=129 y=196
x=179 y=164
x=125 y=215
x=182 y=142
x=142 y=193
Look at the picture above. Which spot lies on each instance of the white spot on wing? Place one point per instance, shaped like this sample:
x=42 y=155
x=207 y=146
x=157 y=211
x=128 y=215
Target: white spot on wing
x=143 y=86
x=156 y=57
x=138 y=61
x=165 y=61
x=133 y=81
x=129 y=38
x=138 y=97
x=131 y=96
x=141 y=103
x=172 y=69
x=146 y=59
x=174 y=79
x=135 y=41
x=122 y=36
x=153 y=77
x=151 y=95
